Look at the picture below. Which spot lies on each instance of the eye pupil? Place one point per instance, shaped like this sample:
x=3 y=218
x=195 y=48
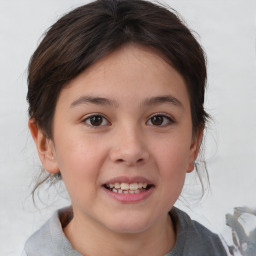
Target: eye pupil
x=96 y=120
x=157 y=120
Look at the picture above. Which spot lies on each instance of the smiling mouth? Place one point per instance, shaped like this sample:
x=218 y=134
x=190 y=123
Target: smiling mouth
x=126 y=188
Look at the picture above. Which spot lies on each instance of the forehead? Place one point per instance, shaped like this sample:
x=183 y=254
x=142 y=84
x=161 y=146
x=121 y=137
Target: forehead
x=132 y=71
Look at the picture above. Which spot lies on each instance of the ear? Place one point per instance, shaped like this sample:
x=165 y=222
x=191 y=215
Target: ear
x=45 y=148
x=194 y=149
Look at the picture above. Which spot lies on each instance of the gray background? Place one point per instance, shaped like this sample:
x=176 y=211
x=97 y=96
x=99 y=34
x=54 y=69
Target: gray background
x=227 y=31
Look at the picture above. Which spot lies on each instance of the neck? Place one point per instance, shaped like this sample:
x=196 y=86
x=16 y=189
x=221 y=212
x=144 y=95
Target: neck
x=84 y=235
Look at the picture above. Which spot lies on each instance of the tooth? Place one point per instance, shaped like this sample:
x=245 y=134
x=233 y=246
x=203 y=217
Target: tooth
x=134 y=186
x=144 y=185
x=131 y=191
x=125 y=192
x=117 y=185
x=125 y=186
x=136 y=191
x=140 y=185
x=111 y=185
x=120 y=191
x=114 y=190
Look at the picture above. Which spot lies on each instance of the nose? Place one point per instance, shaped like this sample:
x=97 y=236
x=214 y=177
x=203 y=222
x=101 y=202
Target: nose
x=129 y=148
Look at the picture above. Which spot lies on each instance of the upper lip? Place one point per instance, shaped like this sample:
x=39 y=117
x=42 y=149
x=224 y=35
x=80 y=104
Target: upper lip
x=129 y=180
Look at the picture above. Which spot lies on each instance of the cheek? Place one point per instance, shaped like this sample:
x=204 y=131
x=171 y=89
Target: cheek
x=79 y=165
x=79 y=161
x=172 y=156
x=172 y=165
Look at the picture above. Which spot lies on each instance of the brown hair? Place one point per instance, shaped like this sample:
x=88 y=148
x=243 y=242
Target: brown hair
x=86 y=34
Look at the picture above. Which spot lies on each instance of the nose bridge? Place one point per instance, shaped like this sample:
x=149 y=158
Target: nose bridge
x=129 y=146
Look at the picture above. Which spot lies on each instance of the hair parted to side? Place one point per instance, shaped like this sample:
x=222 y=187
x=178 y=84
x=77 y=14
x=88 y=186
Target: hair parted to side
x=90 y=32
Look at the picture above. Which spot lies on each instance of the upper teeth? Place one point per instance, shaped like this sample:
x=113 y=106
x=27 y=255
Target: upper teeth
x=127 y=186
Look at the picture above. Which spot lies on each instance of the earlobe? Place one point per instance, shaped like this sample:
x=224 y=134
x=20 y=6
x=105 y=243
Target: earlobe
x=194 y=149
x=45 y=148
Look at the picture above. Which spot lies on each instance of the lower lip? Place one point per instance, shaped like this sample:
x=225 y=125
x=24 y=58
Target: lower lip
x=129 y=198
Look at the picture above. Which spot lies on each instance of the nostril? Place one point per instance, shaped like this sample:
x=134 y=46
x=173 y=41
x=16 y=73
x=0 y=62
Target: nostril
x=138 y=161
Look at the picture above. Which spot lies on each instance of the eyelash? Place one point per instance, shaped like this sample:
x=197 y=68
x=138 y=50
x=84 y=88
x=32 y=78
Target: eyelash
x=167 y=120
x=89 y=119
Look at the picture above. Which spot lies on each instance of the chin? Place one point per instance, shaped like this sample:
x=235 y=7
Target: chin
x=128 y=224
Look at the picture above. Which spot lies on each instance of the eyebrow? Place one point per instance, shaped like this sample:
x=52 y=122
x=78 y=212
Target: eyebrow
x=162 y=99
x=94 y=100
x=108 y=102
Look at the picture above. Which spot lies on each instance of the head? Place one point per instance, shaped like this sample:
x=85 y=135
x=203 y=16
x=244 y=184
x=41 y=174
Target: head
x=88 y=34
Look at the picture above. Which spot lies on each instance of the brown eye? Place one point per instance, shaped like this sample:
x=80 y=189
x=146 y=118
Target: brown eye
x=96 y=120
x=157 y=120
x=160 y=120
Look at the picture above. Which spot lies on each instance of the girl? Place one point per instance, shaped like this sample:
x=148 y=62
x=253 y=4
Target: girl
x=116 y=94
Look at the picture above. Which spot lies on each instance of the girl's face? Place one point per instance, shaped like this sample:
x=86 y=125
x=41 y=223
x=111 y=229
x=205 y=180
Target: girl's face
x=122 y=140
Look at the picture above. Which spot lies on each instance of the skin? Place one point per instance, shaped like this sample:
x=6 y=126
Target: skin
x=127 y=143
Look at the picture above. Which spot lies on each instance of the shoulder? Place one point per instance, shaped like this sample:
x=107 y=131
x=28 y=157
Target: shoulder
x=50 y=239
x=193 y=238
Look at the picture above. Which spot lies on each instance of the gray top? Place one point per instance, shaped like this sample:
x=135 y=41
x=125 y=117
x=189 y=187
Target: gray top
x=193 y=239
